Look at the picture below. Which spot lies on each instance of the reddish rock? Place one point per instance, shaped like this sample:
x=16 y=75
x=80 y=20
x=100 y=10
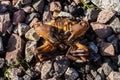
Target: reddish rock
x=55 y=6
x=105 y=15
x=18 y=17
x=4 y=22
x=101 y=30
x=77 y=1
x=14 y=49
x=107 y=49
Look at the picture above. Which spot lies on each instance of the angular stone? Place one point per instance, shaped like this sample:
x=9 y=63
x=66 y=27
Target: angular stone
x=105 y=16
x=28 y=9
x=93 y=47
x=64 y=14
x=94 y=73
x=115 y=25
x=107 y=49
x=38 y=66
x=101 y=30
x=4 y=22
x=55 y=6
x=101 y=73
x=108 y=4
x=22 y=28
x=32 y=35
x=18 y=17
x=14 y=49
x=39 y=6
x=1 y=44
x=71 y=74
x=114 y=75
x=77 y=1
x=34 y=20
x=17 y=4
x=29 y=50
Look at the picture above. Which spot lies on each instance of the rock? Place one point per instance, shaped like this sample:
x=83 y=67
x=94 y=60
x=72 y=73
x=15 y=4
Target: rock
x=1 y=45
x=101 y=73
x=18 y=17
x=77 y=1
x=31 y=73
x=31 y=16
x=115 y=25
x=71 y=74
x=118 y=37
x=60 y=65
x=103 y=29
x=6 y=2
x=93 y=47
x=34 y=20
x=92 y=14
x=108 y=4
x=24 y=2
x=107 y=68
x=29 y=50
x=114 y=75
x=46 y=69
x=98 y=77
x=94 y=73
x=27 y=77
x=64 y=14
x=118 y=60
x=107 y=49
x=55 y=6
x=9 y=30
x=22 y=28
x=87 y=1
x=28 y=9
x=17 y=4
x=2 y=63
x=39 y=6
x=4 y=22
x=14 y=1
x=105 y=16
x=38 y=66
x=89 y=77
x=32 y=35
x=14 y=49
x=3 y=8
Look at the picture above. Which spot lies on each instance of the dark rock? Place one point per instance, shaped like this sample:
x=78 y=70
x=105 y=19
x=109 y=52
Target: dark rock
x=71 y=74
x=29 y=50
x=4 y=22
x=114 y=75
x=89 y=77
x=105 y=16
x=39 y=6
x=14 y=49
x=55 y=6
x=93 y=47
x=2 y=62
x=1 y=45
x=103 y=29
x=3 y=8
x=18 y=17
x=24 y=2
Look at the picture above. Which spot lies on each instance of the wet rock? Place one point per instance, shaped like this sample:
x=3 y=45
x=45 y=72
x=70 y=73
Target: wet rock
x=71 y=74
x=115 y=25
x=39 y=6
x=107 y=68
x=32 y=35
x=14 y=49
x=24 y=2
x=4 y=22
x=93 y=47
x=77 y=1
x=31 y=16
x=64 y=14
x=114 y=75
x=3 y=8
x=108 y=4
x=2 y=62
x=1 y=45
x=28 y=9
x=55 y=6
x=45 y=70
x=105 y=16
x=98 y=77
x=107 y=49
x=34 y=20
x=18 y=17
x=92 y=14
x=22 y=28
x=103 y=29
x=29 y=50
x=60 y=65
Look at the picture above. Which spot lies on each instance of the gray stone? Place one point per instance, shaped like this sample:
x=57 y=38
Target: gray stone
x=71 y=74
x=107 y=68
x=101 y=73
x=14 y=49
x=29 y=50
x=60 y=65
x=93 y=47
x=108 y=4
x=30 y=17
x=94 y=73
x=9 y=30
x=64 y=14
x=38 y=67
x=39 y=5
x=2 y=62
x=34 y=21
x=28 y=9
x=4 y=22
x=118 y=60
x=24 y=2
x=22 y=28
x=115 y=25
x=114 y=75
x=1 y=44
x=105 y=16
x=46 y=69
x=32 y=35
x=3 y=8
x=27 y=77
x=98 y=77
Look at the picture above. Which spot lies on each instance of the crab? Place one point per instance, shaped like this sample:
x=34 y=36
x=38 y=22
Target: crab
x=62 y=33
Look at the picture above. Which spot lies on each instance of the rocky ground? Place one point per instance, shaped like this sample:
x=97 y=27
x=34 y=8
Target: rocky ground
x=18 y=40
